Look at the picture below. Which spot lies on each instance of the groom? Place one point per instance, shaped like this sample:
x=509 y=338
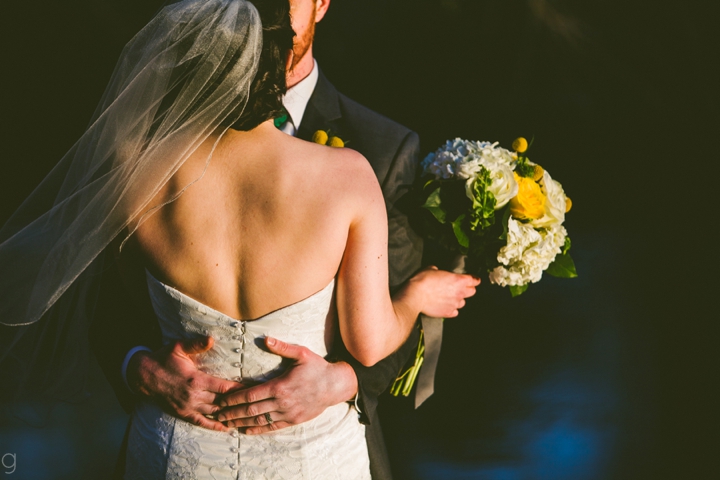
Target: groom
x=128 y=345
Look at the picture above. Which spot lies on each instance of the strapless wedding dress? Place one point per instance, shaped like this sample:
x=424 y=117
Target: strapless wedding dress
x=331 y=446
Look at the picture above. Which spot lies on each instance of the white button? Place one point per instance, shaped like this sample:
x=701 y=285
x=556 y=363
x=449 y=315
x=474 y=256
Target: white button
x=237 y=350
x=237 y=364
x=233 y=466
x=234 y=324
x=238 y=379
x=234 y=450
x=234 y=433
x=236 y=337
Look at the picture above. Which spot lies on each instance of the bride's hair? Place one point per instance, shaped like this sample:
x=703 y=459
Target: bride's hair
x=269 y=85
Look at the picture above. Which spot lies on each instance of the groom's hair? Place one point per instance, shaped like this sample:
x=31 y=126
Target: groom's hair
x=269 y=85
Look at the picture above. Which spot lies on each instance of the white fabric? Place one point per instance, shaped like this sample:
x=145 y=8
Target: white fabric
x=296 y=99
x=331 y=446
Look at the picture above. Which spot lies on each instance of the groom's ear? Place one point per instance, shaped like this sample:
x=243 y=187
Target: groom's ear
x=321 y=7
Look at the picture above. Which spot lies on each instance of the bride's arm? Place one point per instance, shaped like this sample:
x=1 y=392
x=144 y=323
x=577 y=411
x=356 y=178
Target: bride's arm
x=373 y=325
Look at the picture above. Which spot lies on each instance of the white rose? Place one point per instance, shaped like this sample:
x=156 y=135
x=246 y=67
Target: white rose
x=503 y=187
x=555 y=204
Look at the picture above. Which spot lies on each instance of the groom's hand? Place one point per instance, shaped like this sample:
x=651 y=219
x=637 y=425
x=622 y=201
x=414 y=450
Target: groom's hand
x=303 y=392
x=169 y=376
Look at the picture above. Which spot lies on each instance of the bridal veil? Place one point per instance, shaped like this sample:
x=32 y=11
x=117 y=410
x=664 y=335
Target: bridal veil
x=184 y=77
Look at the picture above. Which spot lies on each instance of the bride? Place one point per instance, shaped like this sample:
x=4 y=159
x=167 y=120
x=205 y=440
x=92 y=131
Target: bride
x=237 y=231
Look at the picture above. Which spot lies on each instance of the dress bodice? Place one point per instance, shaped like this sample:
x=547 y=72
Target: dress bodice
x=160 y=446
x=239 y=351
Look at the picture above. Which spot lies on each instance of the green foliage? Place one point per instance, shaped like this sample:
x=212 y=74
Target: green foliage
x=562 y=267
x=462 y=238
x=433 y=203
x=524 y=169
x=517 y=290
x=483 y=202
x=566 y=247
x=504 y=223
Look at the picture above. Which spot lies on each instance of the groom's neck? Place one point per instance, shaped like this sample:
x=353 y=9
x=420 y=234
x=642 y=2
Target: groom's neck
x=301 y=69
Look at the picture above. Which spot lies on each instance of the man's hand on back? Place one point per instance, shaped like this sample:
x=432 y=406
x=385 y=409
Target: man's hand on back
x=309 y=386
x=169 y=376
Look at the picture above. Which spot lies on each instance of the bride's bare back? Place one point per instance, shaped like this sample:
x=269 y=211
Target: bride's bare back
x=265 y=227
x=271 y=222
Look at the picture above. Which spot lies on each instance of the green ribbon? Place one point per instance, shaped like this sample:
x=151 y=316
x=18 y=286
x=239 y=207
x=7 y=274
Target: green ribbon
x=280 y=121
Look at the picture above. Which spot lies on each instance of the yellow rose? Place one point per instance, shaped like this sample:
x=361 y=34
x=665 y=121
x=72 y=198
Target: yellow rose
x=336 y=142
x=529 y=203
x=568 y=204
x=520 y=145
x=320 y=137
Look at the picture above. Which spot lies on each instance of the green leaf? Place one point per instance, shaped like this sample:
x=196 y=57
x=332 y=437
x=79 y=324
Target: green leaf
x=505 y=218
x=433 y=205
x=562 y=267
x=566 y=247
x=462 y=238
x=517 y=290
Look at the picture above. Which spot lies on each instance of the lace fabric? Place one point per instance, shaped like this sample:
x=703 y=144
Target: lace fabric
x=331 y=446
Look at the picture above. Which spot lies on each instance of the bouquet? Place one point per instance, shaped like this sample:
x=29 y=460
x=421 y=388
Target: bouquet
x=500 y=211
x=504 y=212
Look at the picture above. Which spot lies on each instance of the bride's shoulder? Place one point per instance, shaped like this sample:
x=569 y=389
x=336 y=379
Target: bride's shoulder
x=348 y=169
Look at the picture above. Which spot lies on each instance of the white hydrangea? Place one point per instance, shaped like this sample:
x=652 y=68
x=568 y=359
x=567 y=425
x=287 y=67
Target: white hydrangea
x=462 y=159
x=527 y=254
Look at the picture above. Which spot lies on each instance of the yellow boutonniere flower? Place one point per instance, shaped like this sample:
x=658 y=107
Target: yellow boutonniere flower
x=321 y=137
x=336 y=142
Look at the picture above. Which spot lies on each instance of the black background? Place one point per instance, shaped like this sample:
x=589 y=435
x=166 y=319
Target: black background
x=611 y=375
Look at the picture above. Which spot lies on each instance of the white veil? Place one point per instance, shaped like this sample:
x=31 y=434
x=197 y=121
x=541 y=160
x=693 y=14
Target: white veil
x=185 y=75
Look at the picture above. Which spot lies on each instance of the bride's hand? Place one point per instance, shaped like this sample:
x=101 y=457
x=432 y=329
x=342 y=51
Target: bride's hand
x=438 y=293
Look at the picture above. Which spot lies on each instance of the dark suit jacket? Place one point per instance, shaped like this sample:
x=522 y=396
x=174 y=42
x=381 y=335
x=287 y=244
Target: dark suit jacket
x=392 y=150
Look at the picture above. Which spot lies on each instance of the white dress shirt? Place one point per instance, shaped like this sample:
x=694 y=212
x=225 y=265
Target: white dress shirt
x=296 y=99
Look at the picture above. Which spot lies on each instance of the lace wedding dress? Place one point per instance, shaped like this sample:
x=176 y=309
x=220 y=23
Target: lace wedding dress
x=331 y=446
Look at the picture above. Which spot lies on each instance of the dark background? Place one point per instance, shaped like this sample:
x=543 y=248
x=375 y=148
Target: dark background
x=608 y=376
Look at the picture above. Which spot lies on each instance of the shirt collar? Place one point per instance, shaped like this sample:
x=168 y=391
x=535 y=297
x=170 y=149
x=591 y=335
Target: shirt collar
x=296 y=98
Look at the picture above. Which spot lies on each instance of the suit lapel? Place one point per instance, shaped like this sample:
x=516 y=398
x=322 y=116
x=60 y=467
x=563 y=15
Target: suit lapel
x=322 y=111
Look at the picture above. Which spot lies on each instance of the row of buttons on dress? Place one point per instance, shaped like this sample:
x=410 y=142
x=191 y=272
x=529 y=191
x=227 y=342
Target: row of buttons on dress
x=241 y=337
x=234 y=435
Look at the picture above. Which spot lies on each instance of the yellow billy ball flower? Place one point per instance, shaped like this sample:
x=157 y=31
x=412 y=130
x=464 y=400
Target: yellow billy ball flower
x=568 y=204
x=320 y=137
x=336 y=142
x=538 y=173
x=529 y=203
x=520 y=145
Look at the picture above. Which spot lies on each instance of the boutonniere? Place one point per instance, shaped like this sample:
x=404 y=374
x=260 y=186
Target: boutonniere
x=327 y=138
